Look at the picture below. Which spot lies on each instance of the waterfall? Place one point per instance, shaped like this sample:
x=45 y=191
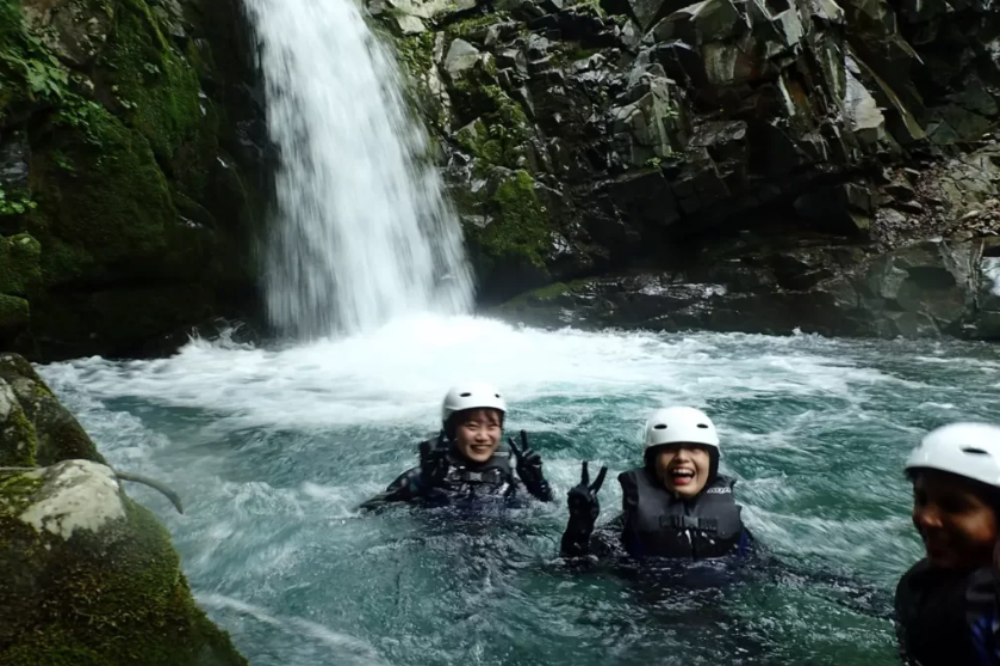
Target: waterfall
x=363 y=233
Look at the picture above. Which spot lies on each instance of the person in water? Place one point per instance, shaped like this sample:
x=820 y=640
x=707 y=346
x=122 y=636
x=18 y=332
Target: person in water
x=676 y=505
x=466 y=461
x=946 y=604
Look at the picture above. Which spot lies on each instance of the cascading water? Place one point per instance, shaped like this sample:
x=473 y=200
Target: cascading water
x=363 y=233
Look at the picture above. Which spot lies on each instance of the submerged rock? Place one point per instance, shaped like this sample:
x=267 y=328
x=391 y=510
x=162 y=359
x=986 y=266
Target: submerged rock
x=90 y=576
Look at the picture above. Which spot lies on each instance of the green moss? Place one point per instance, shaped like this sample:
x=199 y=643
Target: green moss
x=28 y=71
x=19 y=264
x=111 y=214
x=16 y=491
x=14 y=311
x=501 y=133
x=416 y=52
x=17 y=436
x=160 y=94
x=520 y=230
x=115 y=599
x=474 y=28
x=58 y=435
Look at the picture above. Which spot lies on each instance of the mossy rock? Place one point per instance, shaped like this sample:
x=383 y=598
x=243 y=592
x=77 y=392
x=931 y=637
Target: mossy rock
x=56 y=433
x=105 y=210
x=92 y=579
x=17 y=435
x=15 y=313
x=160 y=93
x=20 y=271
x=507 y=232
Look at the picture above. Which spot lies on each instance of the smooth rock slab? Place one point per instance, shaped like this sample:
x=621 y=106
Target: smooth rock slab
x=75 y=495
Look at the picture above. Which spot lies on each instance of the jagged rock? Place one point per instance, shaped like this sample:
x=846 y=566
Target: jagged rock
x=708 y=21
x=430 y=9
x=690 y=122
x=462 y=56
x=89 y=574
x=866 y=120
x=647 y=128
x=76 y=31
x=409 y=24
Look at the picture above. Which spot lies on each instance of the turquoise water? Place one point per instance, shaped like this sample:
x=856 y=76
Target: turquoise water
x=272 y=450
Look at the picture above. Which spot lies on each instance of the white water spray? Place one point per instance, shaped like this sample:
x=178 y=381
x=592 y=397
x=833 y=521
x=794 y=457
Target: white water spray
x=364 y=235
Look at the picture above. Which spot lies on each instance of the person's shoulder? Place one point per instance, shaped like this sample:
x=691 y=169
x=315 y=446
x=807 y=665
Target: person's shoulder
x=914 y=577
x=721 y=485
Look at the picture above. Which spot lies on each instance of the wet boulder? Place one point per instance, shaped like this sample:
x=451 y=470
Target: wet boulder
x=90 y=576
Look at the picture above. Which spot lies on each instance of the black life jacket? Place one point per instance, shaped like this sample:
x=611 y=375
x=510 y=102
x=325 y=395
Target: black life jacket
x=939 y=613
x=493 y=477
x=659 y=524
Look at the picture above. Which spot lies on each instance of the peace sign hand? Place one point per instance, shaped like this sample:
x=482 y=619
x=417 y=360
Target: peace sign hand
x=529 y=468
x=583 y=504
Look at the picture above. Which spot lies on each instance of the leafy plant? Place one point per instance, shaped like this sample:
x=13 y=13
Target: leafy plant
x=17 y=205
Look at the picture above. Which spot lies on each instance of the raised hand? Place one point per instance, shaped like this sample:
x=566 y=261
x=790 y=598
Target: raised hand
x=583 y=504
x=529 y=468
x=433 y=463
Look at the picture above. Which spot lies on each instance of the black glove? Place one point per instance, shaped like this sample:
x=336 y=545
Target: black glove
x=433 y=464
x=529 y=468
x=583 y=505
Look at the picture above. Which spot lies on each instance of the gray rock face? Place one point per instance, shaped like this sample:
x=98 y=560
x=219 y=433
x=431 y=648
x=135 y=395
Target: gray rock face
x=928 y=289
x=688 y=123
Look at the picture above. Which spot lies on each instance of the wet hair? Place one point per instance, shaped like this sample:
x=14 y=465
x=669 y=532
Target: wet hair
x=456 y=419
x=990 y=495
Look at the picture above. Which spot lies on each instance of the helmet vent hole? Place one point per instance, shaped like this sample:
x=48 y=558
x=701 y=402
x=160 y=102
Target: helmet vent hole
x=660 y=426
x=465 y=395
x=703 y=425
x=978 y=452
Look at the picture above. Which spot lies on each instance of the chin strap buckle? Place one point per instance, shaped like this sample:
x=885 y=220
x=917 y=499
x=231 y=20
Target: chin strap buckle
x=692 y=523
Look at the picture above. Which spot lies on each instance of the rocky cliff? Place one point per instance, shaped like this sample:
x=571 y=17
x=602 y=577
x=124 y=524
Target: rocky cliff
x=130 y=170
x=759 y=165
x=89 y=576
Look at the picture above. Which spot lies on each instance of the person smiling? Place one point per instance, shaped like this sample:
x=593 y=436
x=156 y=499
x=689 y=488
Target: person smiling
x=676 y=505
x=466 y=461
x=946 y=604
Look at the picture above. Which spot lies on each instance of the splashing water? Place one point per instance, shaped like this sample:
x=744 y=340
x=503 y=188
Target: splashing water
x=991 y=269
x=273 y=449
x=363 y=233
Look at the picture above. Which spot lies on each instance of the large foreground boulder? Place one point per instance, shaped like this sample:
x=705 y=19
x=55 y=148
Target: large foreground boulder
x=90 y=577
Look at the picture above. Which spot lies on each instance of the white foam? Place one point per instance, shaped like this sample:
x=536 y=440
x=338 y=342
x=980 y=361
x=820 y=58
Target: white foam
x=399 y=373
x=991 y=269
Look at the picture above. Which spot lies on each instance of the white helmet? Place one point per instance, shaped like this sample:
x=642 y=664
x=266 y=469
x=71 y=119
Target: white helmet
x=474 y=395
x=971 y=450
x=680 y=425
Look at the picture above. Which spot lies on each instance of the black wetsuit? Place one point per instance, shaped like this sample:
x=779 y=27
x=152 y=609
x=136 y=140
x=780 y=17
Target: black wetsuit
x=464 y=480
x=947 y=618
